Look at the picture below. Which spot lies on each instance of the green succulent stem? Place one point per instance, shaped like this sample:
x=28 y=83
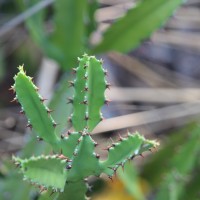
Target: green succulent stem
x=75 y=157
x=39 y=116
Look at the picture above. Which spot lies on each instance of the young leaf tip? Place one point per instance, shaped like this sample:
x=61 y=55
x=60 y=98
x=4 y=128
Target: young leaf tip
x=21 y=70
x=12 y=89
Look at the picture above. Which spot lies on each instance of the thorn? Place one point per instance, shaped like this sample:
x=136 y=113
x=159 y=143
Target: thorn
x=105 y=72
x=97 y=156
x=55 y=124
x=14 y=100
x=70 y=100
x=101 y=61
x=86 y=89
x=69 y=119
x=18 y=164
x=69 y=132
x=101 y=119
x=21 y=112
x=85 y=66
x=127 y=133
x=42 y=189
x=132 y=157
x=81 y=132
x=85 y=102
x=62 y=136
x=122 y=165
x=113 y=145
x=85 y=77
x=151 y=150
x=42 y=100
x=79 y=140
x=107 y=149
x=53 y=191
x=108 y=86
x=61 y=156
x=39 y=138
x=95 y=144
x=90 y=190
x=110 y=177
x=87 y=128
x=141 y=155
x=115 y=171
x=107 y=101
x=155 y=148
x=49 y=111
x=68 y=167
x=85 y=180
x=29 y=126
x=112 y=140
x=120 y=138
x=71 y=83
x=86 y=118
x=74 y=70
x=36 y=89
x=75 y=154
x=12 y=89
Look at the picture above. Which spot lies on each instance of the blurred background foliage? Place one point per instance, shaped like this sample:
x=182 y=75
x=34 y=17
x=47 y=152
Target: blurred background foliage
x=151 y=50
